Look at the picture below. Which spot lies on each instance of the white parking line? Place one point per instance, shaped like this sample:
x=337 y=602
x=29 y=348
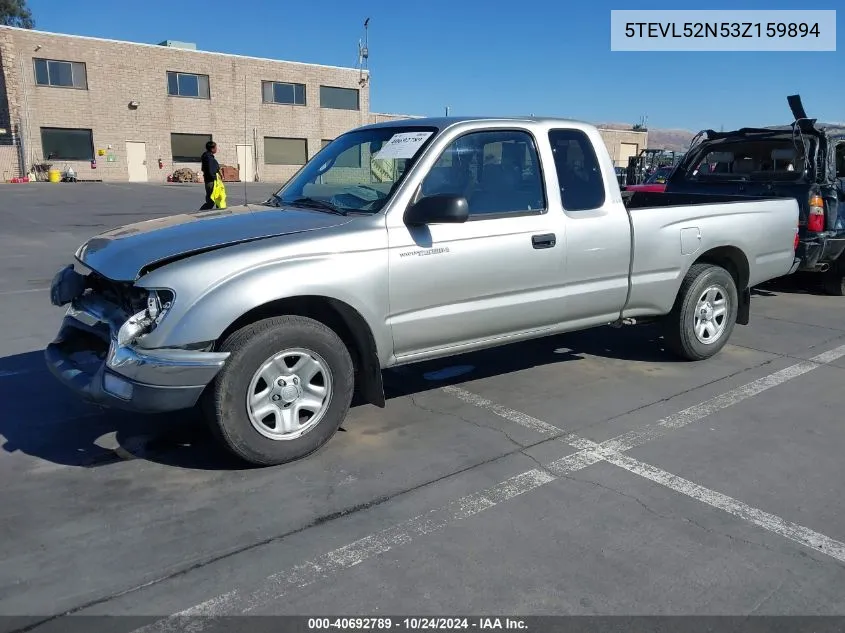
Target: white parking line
x=798 y=533
x=612 y=451
x=508 y=414
x=354 y=553
x=588 y=453
x=21 y=292
x=651 y=432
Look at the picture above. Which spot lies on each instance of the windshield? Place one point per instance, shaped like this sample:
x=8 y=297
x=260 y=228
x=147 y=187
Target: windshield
x=358 y=171
x=770 y=159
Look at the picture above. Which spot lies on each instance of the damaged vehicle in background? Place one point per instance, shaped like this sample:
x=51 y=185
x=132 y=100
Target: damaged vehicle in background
x=656 y=182
x=804 y=160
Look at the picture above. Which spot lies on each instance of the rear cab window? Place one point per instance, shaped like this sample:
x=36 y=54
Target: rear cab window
x=578 y=171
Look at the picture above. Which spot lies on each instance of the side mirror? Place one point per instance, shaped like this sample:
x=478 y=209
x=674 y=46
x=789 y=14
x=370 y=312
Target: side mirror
x=438 y=209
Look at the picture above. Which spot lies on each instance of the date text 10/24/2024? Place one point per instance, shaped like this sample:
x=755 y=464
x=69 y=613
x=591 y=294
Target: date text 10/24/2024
x=416 y=624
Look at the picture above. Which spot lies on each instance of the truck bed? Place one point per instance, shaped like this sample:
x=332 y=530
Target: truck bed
x=644 y=199
x=670 y=230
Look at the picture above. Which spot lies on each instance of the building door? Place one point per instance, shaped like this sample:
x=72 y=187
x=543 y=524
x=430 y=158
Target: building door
x=246 y=165
x=136 y=161
x=626 y=150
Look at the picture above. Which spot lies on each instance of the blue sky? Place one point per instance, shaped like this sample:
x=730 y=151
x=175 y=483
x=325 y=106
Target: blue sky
x=546 y=57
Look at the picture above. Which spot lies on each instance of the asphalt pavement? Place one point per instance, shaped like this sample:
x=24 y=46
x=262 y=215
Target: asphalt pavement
x=584 y=474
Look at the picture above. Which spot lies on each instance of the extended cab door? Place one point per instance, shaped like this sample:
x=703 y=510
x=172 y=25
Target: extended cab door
x=499 y=273
x=598 y=231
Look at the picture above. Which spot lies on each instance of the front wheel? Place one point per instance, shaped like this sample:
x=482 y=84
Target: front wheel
x=284 y=391
x=704 y=313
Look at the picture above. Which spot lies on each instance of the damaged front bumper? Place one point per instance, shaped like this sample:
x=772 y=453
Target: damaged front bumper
x=87 y=358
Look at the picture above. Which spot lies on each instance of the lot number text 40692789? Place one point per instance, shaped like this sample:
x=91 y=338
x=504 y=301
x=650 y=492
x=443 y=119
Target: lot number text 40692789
x=416 y=624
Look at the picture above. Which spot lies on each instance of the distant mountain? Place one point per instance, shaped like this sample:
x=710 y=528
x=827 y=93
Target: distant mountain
x=672 y=140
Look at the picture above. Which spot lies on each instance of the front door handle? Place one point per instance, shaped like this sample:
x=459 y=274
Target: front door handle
x=547 y=240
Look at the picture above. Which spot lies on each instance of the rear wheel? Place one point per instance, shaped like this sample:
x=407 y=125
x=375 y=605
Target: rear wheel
x=834 y=281
x=285 y=390
x=704 y=314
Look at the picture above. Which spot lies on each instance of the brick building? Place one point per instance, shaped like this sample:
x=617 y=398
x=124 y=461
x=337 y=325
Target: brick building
x=68 y=100
x=622 y=144
x=127 y=106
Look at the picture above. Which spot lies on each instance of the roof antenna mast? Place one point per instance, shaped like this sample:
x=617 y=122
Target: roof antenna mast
x=364 y=56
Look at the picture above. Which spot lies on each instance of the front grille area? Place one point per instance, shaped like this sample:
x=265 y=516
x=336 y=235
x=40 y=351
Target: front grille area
x=90 y=345
x=125 y=295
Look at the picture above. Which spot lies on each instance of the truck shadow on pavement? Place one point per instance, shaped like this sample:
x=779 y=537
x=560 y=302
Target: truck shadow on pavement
x=43 y=419
x=800 y=283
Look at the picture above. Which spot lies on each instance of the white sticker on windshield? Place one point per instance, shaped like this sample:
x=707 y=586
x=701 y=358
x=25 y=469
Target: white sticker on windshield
x=403 y=145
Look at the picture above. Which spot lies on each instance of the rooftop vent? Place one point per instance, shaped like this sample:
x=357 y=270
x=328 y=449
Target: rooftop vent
x=176 y=44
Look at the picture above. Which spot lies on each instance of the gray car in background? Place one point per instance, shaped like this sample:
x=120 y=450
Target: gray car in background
x=397 y=243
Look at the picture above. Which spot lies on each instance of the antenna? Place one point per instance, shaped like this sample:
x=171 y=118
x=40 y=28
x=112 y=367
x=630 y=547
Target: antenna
x=364 y=55
x=243 y=177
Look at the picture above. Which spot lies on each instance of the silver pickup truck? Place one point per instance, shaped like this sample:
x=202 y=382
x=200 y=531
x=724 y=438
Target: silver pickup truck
x=396 y=243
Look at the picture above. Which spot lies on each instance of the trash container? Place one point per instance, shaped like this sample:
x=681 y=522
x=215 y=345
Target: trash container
x=54 y=175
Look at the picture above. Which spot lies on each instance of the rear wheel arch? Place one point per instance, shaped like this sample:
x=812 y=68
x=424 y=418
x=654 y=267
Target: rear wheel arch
x=733 y=260
x=344 y=320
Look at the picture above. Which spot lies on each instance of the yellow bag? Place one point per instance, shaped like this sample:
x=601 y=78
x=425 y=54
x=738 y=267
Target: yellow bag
x=218 y=194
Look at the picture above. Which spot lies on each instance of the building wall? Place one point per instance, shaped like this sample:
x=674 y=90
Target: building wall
x=121 y=72
x=614 y=140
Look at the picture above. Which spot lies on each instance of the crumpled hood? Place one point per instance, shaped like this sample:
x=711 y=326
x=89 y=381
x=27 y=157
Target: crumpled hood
x=123 y=253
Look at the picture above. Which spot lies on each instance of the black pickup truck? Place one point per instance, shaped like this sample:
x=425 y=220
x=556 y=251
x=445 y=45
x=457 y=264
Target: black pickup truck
x=804 y=160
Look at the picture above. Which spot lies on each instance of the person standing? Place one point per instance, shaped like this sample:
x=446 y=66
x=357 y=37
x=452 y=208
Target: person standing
x=210 y=169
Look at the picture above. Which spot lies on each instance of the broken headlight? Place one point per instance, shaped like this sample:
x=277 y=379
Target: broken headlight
x=159 y=302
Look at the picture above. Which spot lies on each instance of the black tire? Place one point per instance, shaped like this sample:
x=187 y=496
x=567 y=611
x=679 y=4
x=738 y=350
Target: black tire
x=225 y=406
x=834 y=282
x=680 y=322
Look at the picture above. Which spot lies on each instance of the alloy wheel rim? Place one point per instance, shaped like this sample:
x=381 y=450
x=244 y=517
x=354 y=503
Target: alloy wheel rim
x=711 y=314
x=289 y=394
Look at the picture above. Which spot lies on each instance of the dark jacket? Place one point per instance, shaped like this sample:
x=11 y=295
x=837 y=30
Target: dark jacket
x=210 y=167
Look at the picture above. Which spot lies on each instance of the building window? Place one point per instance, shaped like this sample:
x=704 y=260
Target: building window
x=187 y=85
x=278 y=92
x=67 y=143
x=188 y=148
x=285 y=151
x=61 y=74
x=348 y=158
x=338 y=98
